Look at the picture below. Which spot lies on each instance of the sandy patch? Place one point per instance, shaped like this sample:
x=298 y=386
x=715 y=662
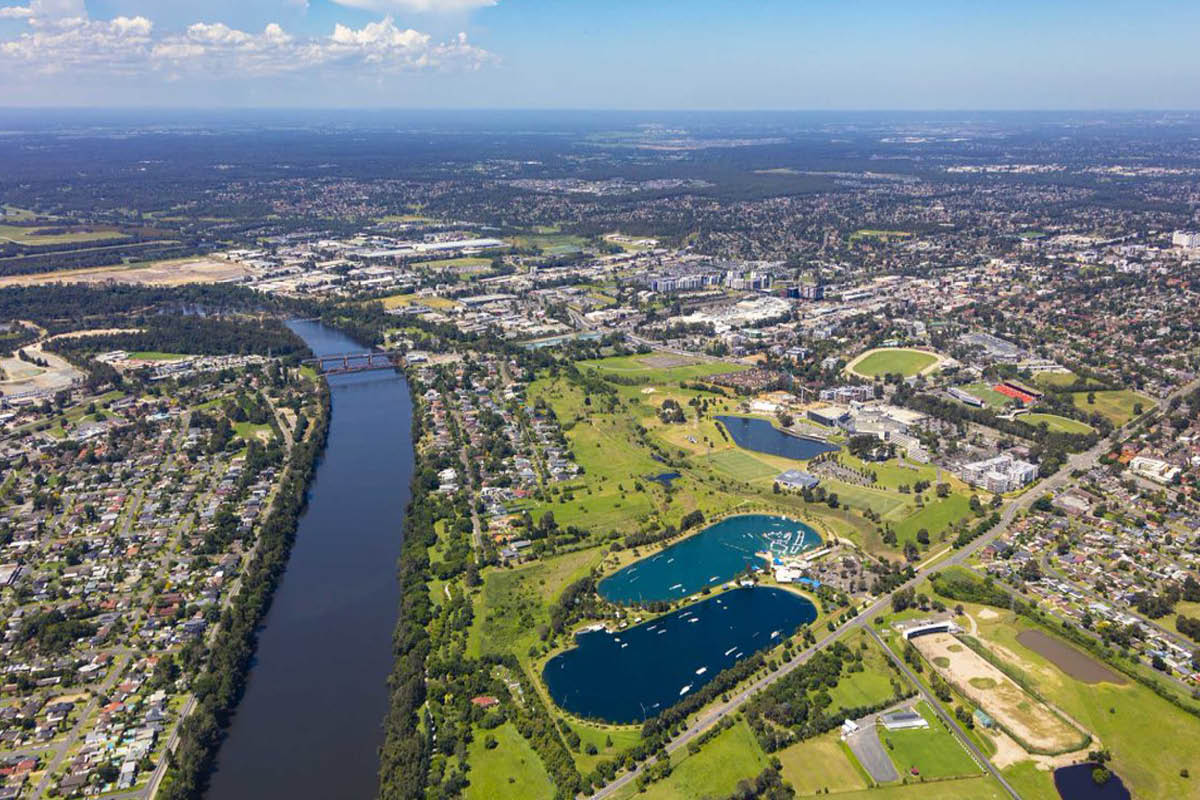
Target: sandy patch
x=987 y=613
x=155 y=273
x=649 y=390
x=1032 y=723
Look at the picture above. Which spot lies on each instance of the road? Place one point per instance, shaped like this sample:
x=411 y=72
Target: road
x=950 y=721
x=1080 y=461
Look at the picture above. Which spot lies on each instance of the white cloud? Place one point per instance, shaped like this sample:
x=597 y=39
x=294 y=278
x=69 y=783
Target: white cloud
x=16 y=12
x=132 y=46
x=423 y=6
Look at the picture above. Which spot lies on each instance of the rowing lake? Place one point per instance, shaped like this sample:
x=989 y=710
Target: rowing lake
x=634 y=674
x=763 y=437
x=713 y=556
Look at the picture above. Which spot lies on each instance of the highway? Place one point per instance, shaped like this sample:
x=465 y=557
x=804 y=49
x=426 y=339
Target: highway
x=1080 y=461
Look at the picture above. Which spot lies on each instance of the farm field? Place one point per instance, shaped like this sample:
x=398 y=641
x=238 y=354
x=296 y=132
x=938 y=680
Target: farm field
x=1056 y=423
x=1115 y=405
x=713 y=772
x=892 y=360
x=819 y=764
x=511 y=769
x=933 y=752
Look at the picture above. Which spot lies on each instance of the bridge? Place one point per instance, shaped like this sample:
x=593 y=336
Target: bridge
x=345 y=363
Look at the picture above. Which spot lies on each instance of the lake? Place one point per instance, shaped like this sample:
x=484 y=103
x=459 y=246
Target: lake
x=310 y=722
x=1075 y=783
x=630 y=675
x=713 y=556
x=763 y=437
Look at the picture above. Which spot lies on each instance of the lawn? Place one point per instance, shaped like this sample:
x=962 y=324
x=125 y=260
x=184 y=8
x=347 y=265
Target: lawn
x=511 y=769
x=464 y=263
x=937 y=516
x=661 y=367
x=1055 y=378
x=713 y=772
x=1056 y=424
x=1030 y=782
x=988 y=395
x=891 y=361
x=819 y=764
x=154 y=355
x=863 y=497
x=740 y=465
x=872 y=685
x=933 y=751
x=1116 y=405
x=622 y=739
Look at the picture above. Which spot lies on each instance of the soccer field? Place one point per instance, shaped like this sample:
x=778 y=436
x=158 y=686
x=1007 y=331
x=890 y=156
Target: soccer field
x=891 y=361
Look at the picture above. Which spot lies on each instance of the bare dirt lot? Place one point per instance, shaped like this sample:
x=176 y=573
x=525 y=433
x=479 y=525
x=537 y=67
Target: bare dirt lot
x=1033 y=723
x=1075 y=663
x=666 y=361
x=157 y=273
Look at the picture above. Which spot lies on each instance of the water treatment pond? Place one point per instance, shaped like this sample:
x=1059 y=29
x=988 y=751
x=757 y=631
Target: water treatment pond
x=710 y=557
x=1075 y=783
x=631 y=675
x=763 y=437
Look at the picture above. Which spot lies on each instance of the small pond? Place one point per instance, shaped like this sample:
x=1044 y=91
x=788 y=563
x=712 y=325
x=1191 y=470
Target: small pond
x=763 y=437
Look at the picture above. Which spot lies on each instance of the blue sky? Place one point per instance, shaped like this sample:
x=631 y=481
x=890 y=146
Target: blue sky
x=748 y=54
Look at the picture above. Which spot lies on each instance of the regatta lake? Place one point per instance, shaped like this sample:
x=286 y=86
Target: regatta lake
x=631 y=675
x=713 y=556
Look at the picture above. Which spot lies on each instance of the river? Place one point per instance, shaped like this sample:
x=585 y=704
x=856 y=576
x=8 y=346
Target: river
x=310 y=723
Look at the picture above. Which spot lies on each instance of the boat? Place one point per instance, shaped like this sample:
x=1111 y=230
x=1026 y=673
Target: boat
x=730 y=650
x=712 y=578
x=702 y=670
x=774 y=634
x=670 y=560
x=694 y=619
x=739 y=655
x=624 y=645
x=661 y=632
x=685 y=690
x=676 y=586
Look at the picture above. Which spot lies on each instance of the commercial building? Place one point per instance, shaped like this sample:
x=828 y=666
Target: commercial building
x=1153 y=469
x=1185 y=239
x=797 y=479
x=903 y=721
x=1000 y=474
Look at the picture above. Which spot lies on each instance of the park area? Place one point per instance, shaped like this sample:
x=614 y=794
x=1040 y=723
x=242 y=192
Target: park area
x=893 y=361
x=1118 y=406
x=1056 y=424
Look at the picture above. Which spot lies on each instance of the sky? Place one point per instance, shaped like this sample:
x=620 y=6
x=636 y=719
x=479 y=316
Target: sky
x=605 y=54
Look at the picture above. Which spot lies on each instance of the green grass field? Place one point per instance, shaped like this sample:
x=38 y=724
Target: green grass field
x=740 y=465
x=464 y=263
x=982 y=788
x=154 y=355
x=988 y=395
x=894 y=360
x=819 y=764
x=1056 y=423
x=936 y=517
x=1116 y=405
x=29 y=235
x=661 y=367
x=934 y=751
x=1055 y=378
x=511 y=769
x=713 y=772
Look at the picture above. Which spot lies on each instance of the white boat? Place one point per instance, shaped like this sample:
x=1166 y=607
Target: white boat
x=670 y=560
x=676 y=586
x=739 y=655
x=713 y=578
x=624 y=645
x=661 y=632
x=774 y=634
x=730 y=650
x=685 y=690
x=702 y=670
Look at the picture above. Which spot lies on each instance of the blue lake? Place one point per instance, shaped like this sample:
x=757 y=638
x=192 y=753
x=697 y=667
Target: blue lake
x=713 y=556
x=763 y=437
x=634 y=674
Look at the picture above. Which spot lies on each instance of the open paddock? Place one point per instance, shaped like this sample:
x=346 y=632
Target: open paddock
x=1034 y=724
